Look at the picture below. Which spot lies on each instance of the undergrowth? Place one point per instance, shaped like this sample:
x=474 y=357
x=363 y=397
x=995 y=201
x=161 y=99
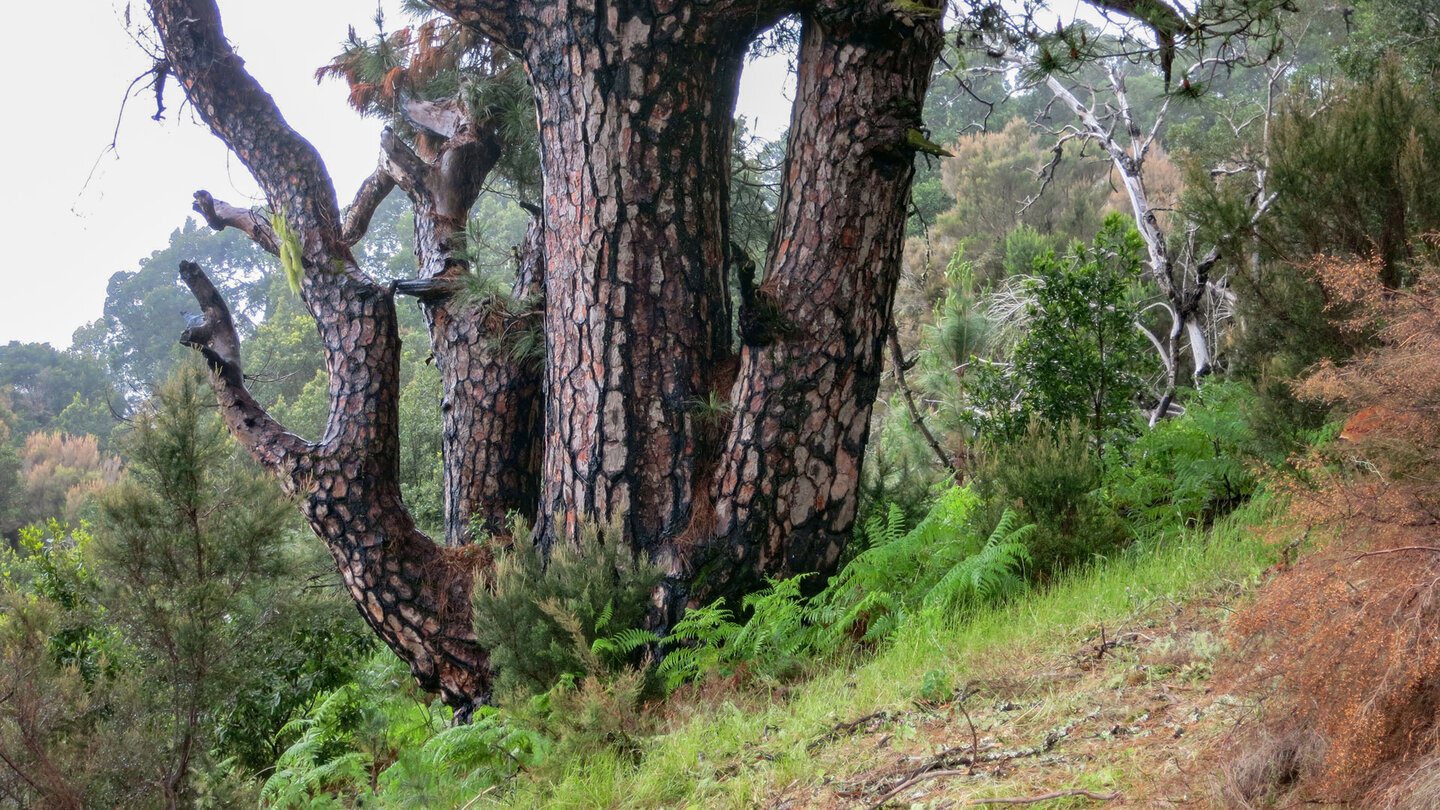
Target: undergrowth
x=706 y=751
x=1365 y=680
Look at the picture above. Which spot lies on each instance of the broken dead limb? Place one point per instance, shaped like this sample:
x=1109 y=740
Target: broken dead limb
x=1431 y=549
x=944 y=762
x=1043 y=797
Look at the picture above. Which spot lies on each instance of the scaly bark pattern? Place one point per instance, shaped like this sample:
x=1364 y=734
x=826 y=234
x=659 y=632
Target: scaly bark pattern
x=490 y=401
x=635 y=122
x=789 y=478
x=414 y=594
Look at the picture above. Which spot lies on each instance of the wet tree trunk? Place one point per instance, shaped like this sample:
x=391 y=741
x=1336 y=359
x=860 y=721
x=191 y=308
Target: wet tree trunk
x=635 y=125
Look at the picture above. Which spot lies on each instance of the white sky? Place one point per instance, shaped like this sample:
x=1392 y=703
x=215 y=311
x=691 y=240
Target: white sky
x=65 y=230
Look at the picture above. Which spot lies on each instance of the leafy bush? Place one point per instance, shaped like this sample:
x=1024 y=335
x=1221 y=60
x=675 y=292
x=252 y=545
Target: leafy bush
x=73 y=730
x=1080 y=357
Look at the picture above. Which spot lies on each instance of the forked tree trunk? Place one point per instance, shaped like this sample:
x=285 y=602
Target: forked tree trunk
x=635 y=102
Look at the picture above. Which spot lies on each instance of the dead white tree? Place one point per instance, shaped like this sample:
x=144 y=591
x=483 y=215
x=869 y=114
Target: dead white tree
x=1192 y=299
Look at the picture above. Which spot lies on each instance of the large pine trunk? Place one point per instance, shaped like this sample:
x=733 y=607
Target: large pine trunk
x=635 y=103
x=786 y=494
x=635 y=124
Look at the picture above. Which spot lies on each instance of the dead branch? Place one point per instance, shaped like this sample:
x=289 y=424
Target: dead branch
x=1045 y=797
x=1431 y=549
x=220 y=215
x=357 y=217
x=915 y=417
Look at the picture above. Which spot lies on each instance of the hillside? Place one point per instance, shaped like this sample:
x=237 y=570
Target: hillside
x=1104 y=683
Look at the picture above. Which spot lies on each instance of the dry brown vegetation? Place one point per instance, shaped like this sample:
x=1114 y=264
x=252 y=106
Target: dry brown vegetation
x=1342 y=646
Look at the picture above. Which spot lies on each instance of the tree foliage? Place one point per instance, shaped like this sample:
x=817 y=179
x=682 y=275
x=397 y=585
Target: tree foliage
x=1080 y=356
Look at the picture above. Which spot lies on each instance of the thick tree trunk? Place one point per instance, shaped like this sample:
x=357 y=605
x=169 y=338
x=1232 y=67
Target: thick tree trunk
x=635 y=123
x=790 y=472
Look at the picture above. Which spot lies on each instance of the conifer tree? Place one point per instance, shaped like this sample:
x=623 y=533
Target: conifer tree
x=188 y=548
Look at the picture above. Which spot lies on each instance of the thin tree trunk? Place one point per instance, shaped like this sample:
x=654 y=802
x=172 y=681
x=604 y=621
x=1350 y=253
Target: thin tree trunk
x=414 y=594
x=489 y=401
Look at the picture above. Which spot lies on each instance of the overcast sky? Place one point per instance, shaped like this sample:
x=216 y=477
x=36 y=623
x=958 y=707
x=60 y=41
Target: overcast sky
x=79 y=212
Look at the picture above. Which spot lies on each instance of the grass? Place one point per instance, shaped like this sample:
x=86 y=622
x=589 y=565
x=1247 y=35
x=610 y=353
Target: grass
x=755 y=748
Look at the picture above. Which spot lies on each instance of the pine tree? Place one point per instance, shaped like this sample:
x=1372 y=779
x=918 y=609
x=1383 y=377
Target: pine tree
x=188 y=548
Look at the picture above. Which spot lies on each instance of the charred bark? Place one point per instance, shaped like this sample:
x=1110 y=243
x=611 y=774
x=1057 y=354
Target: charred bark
x=635 y=123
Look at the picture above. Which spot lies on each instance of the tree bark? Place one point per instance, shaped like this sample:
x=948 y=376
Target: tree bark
x=489 y=401
x=635 y=103
x=787 y=488
x=635 y=124
x=414 y=594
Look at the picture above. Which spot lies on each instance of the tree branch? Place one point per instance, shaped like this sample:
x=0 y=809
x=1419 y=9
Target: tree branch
x=239 y=111
x=442 y=118
x=493 y=18
x=407 y=169
x=221 y=215
x=898 y=357
x=357 y=217
x=265 y=439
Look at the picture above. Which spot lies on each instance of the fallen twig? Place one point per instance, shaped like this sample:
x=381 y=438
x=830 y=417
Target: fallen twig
x=911 y=782
x=846 y=729
x=479 y=796
x=948 y=757
x=1431 y=549
x=1044 y=797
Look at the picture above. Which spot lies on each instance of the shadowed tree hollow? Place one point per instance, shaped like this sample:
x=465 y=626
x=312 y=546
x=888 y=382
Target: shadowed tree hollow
x=626 y=272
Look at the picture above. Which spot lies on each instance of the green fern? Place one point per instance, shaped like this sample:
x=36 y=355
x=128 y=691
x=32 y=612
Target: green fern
x=775 y=638
x=617 y=648
x=989 y=576
x=942 y=563
x=697 y=642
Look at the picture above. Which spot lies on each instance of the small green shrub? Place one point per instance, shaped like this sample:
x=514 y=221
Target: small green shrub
x=1052 y=477
x=545 y=619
